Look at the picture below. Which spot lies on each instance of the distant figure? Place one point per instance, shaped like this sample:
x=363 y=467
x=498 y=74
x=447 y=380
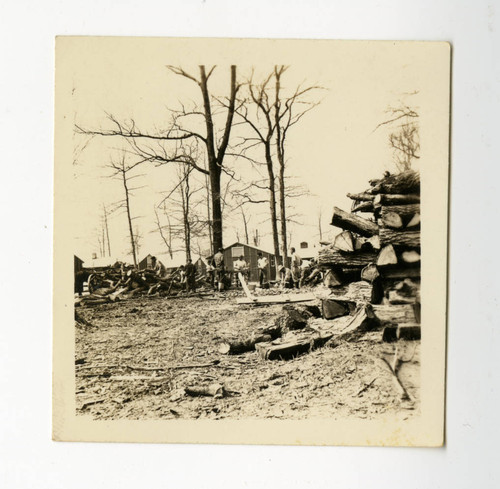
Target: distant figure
x=80 y=278
x=210 y=271
x=182 y=274
x=190 y=276
x=219 y=269
x=240 y=266
x=285 y=277
x=157 y=267
x=305 y=269
x=295 y=267
x=262 y=263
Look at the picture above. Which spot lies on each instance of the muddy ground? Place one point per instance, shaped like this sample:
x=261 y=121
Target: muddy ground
x=138 y=356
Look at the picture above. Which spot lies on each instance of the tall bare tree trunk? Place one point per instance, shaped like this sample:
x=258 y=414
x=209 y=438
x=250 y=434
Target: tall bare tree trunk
x=106 y=226
x=245 y=224
x=209 y=219
x=272 y=202
x=184 y=190
x=129 y=217
x=215 y=157
x=280 y=151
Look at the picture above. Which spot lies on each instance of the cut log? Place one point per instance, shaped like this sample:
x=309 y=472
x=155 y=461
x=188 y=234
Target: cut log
x=333 y=308
x=407 y=288
x=332 y=278
x=401 y=314
x=414 y=222
x=387 y=256
x=391 y=219
x=399 y=238
x=331 y=257
x=382 y=200
x=390 y=334
x=238 y=347
x=344 y=241
x=409 y=332
x=286 y=350
x=363 y=320
x=359 y=291
x=400 y=273
x=295 y=317
x=366 y=244
x=406 y=211
x=370 y=273
x=362 y=207
x=395 y=297
x=406 y=182
x=362 y=197
x=378 y=291
x=411 y=256
x=214 y=390
x=354 y=223
x=374 y=241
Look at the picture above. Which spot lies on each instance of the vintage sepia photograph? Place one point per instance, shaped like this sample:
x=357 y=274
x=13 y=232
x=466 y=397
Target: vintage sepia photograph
x=250 y=241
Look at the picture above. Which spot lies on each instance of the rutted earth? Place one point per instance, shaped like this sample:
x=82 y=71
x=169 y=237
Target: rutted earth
x=138 y=356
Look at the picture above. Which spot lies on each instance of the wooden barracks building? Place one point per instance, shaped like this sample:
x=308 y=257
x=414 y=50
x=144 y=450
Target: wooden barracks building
x=249 y=252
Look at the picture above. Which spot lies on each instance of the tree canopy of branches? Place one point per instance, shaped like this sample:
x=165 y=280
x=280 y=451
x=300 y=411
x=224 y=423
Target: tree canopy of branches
x=180 y=210
x=271 y=113
x=166 y=146
x=404 y=138
x=122 y=170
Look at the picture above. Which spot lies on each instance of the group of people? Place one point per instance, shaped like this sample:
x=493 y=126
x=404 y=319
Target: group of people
x=299 y=273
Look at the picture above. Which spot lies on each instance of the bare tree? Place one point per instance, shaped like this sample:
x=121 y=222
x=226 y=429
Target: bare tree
x=184 y=222
x=245 y=224
x=274 y=115
x=105 y=226
x=165 y=231
x=320 y=215
x=122 y=170
x=137 y=240
x=157 y=147
x=404 y=138
x=262 y=134
x=288 y=111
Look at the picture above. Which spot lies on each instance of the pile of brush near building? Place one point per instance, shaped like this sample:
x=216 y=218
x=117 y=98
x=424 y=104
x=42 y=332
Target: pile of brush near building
x=382 y=249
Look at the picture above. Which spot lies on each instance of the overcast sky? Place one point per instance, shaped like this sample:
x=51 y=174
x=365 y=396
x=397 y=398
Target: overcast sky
x=332 y=151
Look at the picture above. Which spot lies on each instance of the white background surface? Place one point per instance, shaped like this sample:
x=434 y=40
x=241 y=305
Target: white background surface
x=28 y=458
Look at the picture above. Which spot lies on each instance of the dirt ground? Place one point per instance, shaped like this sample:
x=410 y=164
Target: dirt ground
x=138 y=356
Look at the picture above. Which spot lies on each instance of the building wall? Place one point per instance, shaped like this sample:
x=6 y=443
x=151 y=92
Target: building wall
x=146 y=263
x=250 y=254
x=78 y=264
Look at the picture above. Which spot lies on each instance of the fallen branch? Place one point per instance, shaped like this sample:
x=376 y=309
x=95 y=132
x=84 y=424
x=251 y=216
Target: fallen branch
x=367 y=386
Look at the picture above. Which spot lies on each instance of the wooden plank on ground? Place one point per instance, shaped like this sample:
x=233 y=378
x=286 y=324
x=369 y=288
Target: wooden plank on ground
x=245 y=286
x=277 y=299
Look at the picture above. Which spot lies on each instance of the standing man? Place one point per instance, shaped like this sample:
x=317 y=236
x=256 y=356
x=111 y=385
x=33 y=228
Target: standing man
x=295 y=267
x=210 y=271
x=240 y=266
x=190 y=276
x=219 y=268
x=262 y=263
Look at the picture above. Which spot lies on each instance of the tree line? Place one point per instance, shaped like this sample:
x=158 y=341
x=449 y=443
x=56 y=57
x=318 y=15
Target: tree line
x=249 y=124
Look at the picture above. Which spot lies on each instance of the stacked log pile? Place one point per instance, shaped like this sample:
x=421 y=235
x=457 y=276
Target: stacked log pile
x=382 y=248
